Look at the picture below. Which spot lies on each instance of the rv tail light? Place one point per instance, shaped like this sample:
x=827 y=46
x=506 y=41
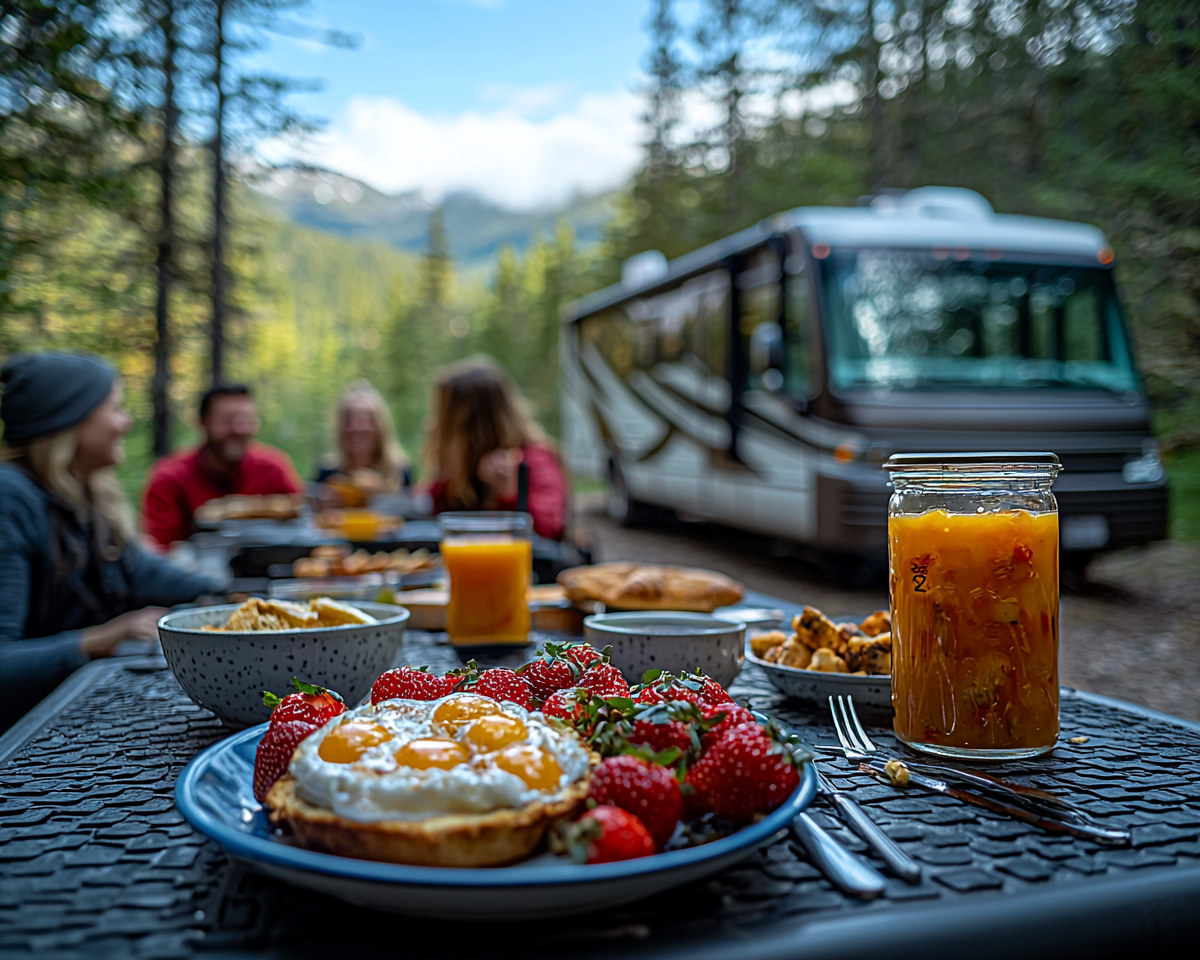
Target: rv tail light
x=1106 y=255
x=843 y=453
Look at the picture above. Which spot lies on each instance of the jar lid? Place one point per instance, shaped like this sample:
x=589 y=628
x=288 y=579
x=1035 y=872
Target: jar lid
x=951 y=461
x=965 y=467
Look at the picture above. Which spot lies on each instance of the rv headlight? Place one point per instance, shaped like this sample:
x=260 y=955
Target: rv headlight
x=1146 y=469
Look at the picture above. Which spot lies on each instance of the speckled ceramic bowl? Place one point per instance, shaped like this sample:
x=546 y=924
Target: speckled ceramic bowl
x=678 y=642
x=227 y=672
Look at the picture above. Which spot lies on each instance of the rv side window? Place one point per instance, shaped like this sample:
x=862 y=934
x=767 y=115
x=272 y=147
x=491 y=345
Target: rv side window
x=801 y=378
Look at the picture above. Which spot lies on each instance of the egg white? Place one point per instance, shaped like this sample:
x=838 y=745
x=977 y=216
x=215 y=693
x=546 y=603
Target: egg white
x=376 y=788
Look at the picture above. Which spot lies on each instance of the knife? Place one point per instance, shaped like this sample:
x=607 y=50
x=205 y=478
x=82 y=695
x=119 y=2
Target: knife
x=983 y=780
x=1083 y=830
x=899 y=862
x=847 y=871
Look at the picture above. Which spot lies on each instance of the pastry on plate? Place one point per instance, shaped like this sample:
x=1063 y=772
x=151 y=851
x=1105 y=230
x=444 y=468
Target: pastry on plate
x=464 y=781
x=634 y=586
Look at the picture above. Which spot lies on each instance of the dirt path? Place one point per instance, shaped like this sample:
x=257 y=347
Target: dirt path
x=1132 y=630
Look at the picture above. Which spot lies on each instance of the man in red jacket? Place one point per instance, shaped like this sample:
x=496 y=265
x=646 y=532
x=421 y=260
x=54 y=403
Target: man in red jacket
x=229 y=461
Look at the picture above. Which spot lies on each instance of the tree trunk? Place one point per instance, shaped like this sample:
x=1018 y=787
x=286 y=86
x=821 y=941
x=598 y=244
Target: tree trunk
x=880 y=173
x=166 y=242
x=220 y=183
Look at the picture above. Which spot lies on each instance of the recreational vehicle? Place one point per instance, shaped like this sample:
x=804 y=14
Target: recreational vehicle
x=762 y=380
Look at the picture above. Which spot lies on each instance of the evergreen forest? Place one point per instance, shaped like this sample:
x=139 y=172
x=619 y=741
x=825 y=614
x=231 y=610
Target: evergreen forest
x=130 y=222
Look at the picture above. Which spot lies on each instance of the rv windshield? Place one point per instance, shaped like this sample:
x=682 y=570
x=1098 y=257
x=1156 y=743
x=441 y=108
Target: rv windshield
x=923 y=319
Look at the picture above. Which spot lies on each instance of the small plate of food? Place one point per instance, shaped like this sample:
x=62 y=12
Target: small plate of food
x=819 y=658
x=498 y=794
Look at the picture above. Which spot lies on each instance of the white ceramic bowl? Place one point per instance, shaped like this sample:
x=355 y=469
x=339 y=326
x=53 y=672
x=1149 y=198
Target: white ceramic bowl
x=678 y=642
x=227 y=671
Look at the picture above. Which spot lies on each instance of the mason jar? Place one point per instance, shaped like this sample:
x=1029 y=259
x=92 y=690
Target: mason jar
x=973 y=562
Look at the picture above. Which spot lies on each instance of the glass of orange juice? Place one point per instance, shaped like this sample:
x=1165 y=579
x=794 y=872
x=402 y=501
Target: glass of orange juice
x=488 y=558
x=973 y=562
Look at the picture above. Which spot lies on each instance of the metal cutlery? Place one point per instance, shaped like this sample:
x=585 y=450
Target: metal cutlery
x=899 y=862
x=1027 y=803
x=855 y=741
x=847 y=871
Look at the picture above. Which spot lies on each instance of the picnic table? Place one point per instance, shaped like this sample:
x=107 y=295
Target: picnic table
x=96 y=860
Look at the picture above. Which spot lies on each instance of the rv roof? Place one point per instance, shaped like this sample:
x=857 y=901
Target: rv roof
x=940 y=216
x=925 y=217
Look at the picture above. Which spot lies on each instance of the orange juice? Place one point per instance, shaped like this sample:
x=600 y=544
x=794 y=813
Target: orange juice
x=489 y=582
x=361 y=526
x=975 y=629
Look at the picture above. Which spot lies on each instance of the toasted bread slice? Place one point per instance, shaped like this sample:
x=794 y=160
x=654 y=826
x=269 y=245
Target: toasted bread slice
x=449 y=840
x=333 y=613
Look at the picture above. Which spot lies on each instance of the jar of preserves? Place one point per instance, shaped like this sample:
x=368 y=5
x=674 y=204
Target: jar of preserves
x=973 y=563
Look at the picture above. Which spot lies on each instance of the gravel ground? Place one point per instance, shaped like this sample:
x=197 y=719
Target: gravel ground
x=1130 y=630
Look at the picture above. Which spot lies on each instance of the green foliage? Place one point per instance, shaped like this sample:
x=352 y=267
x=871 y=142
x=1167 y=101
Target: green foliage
x=1080 y=109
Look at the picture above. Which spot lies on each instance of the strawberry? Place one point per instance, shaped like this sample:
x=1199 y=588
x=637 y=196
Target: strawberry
x=648 y=790
x=310 y=704
x=691 y=688
x=552 y=671
x=583 y=654
x=604 y=680
x=744 y=773
x=607 y=834
x=662 y=735
x=499 y=683
x=411 y=683
x=275 y=751
x=732 y=716
x=569 y=704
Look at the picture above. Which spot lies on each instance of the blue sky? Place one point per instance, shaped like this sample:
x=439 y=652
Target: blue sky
x=524 y=101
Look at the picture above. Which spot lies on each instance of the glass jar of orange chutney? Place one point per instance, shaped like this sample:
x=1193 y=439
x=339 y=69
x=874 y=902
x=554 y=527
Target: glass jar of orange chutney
x=973 y=562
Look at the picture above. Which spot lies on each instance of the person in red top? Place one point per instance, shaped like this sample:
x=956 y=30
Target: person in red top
x=477 y=435
x=229 y=461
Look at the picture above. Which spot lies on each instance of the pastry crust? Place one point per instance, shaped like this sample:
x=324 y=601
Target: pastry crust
x=632 y=586
x=446 y=840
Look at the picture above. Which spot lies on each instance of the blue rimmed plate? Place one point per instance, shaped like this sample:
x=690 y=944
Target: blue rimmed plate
x=214 y=793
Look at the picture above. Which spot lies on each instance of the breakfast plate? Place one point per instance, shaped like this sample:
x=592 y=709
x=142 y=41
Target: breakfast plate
x=214 y=794
x=817 y=687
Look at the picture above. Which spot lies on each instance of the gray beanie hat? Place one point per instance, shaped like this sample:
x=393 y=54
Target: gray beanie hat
x=48 y=392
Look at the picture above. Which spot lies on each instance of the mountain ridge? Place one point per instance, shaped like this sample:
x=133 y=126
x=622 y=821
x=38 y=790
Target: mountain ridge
x=475 y=228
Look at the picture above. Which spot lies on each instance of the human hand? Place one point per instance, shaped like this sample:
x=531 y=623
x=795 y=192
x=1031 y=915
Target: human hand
x=103 y=640
x=498 y=469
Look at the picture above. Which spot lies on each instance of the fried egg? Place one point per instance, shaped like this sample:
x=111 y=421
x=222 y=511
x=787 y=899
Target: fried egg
x=412 y=759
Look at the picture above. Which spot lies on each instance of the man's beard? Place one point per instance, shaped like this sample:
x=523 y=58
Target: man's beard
x=228 y=452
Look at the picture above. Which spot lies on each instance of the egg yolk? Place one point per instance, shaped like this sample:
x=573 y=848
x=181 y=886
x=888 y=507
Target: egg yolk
x=462 y=710
x=535 y=766
x=496 y=731
x=348 y=742
x=432 y=752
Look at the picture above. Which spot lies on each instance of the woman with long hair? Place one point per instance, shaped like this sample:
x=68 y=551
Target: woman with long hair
x=368 y=454
x=74 y=582
x=477 y=435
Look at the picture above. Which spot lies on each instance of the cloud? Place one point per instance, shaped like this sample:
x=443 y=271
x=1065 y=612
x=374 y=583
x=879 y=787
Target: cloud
x=535 y=148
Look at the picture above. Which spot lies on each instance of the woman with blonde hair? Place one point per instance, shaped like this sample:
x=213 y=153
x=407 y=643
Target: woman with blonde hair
x=369 y=457
x=74 y=582
x=477 y=436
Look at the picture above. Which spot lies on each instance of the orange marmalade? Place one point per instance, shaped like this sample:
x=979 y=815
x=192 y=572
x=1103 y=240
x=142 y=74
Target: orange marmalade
x=975 y=631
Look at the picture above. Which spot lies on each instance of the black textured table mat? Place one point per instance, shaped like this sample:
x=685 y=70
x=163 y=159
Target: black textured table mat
x=95 y=859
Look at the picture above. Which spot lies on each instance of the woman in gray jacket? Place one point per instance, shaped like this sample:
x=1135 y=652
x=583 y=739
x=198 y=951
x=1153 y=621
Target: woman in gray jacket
x=74 y=582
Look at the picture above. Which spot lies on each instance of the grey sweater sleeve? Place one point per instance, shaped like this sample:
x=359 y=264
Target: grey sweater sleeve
x=31 y=668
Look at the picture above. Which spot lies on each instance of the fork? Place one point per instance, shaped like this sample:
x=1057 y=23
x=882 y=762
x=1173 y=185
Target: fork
x=1067 y=818
x=858 y=746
